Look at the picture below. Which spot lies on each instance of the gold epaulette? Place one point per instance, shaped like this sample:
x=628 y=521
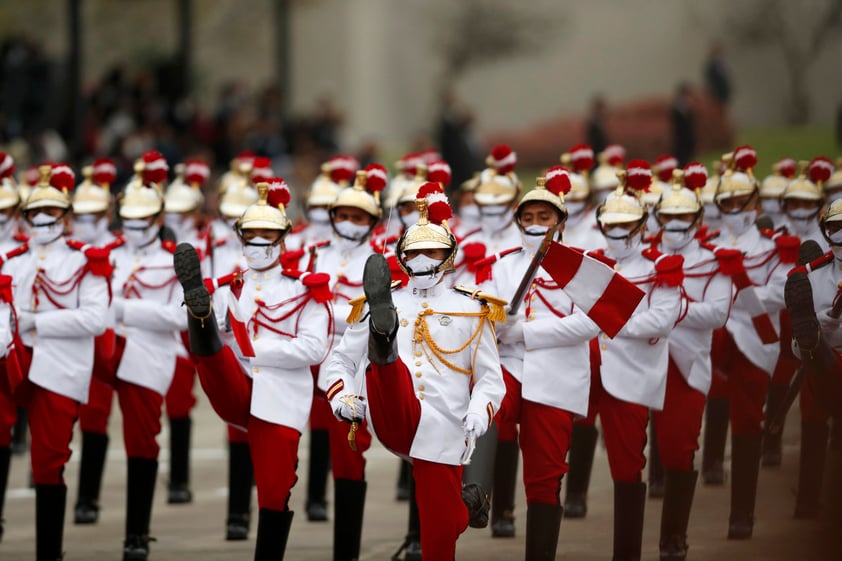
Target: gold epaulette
x=496 y=306
x=358 y=303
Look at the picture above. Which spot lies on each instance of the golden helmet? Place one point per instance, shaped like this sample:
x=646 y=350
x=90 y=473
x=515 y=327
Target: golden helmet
x=323 y=191
x=807 y=186
x=495 y=189
x=551 y=189
x=834 y=182
x=682 y=196
x=239 y=193
x=90 y=198
x=53 y=188
x=604 y=177
x=9 y=195
x=184 y=194
x=621 y=207
x=833 y=213
x=773 y=186
x=238 y=168
x=358 y=197
x=409 y=191
x=269 y=212
x=138 y=199
x=738 y=179
x=432 y=230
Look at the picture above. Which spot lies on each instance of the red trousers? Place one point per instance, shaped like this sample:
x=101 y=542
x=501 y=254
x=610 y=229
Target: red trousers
x=821 y=394
x=274 y=448
x=345 y=463
x=93 y=416
x=51 y=420
x=788 y=363
x=679 y=424
x=624 y=432
x=545 y=434
x=746 y=385
x=180 y=399
x=596 y=362
x=141 y=408
x=8 y=409
x=395 y=413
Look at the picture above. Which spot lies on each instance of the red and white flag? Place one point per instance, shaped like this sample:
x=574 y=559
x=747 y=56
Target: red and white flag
x=239 y=327
x=605 y=296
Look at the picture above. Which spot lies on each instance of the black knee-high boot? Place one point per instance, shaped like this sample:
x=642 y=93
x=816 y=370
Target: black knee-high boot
x=745 y=466
x=91 y=467
x=348 y=509
x=201 y=321
x=503 y=496
x=717 y=413
x=679 y=489
x=582 y=448
x=317 y=473
x=240 y=481
x=543 y=522
x=272 y=534
x=772 y=453
x=140 y=492
x=5 y=460
x=656 y=468
x=629 y=506
x=179 y=484
x=50 y=502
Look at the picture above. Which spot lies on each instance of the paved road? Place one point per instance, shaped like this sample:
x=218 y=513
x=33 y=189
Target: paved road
x=194 y=532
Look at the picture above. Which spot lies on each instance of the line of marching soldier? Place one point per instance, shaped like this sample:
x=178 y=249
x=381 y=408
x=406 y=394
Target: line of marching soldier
x=666 y=297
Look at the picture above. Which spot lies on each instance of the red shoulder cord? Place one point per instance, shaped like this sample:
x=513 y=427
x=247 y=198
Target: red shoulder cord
x=342 y=280
x=298 y=303
x=131 y=290
x=533 y=290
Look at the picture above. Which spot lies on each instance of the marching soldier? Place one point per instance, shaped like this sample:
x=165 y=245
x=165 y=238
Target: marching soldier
x=91 y=203
x=748 y=349
x=633 y=365
x=182 y=204
x=771 y=189
x=61 y=297
x=678 y=424
x=548 y=329
x=429 y=390
x=263 y=382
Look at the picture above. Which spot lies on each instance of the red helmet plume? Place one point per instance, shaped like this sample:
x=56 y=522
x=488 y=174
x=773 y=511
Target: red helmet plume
x=639 y=175
x=376 y=178
x=558 y=180
x=279 y=195
x=695 y=175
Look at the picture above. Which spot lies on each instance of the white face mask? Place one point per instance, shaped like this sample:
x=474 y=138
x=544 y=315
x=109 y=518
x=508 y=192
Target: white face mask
x=619 y=244
x=738 y=223
x=496 y=217
x=139 y=233
x=771 y=207
x=652 y=224
x=532 y=237
x=44 y=229
x=409 y=219
x=352 y=232
x=261 y=253
x=7 y=226
x=836 y=237
x=319 y=216
x=712 y=212
x=677 y=234
x=470 y=214
x=182 y=226
x=422 y=268
x=88 y=229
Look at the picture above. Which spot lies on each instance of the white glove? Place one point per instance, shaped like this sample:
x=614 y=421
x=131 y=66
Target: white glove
x=827 y=323
x=512 y=333
x=26 y=321
x=350 y=407
x=119 y=307
x=475 y=424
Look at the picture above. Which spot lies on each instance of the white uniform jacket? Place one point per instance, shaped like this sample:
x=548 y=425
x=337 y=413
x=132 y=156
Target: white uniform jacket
x=634 y=363
x=146 y=288
x=70 y=305
x=766 y=271
x=709 y=294
x=446 y=395
x=552 y=363
x=289 y=331
x=825 y=282
x=494 y=243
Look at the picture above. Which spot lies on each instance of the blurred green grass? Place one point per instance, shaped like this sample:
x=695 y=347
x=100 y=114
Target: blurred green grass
x=772 y=144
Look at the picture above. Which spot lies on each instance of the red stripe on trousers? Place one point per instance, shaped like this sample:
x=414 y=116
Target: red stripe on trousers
x=94 y=415
x=747 y=385
x=545 y=433
x=624 y=433
x=51 y=420
x=141 y=409
x=180 y=399
x=679 y=424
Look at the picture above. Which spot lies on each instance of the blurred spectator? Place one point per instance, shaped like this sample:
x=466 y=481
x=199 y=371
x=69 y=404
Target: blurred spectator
x=683 y=126
x=457 y=140
x=325 y=125
x=24 y=87
x=717 y=79
x=595 y=127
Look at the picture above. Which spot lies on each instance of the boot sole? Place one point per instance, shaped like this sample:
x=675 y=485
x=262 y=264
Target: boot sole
x=798 y=294
x=189 y=273
x=377 y=285
x=809 y=251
